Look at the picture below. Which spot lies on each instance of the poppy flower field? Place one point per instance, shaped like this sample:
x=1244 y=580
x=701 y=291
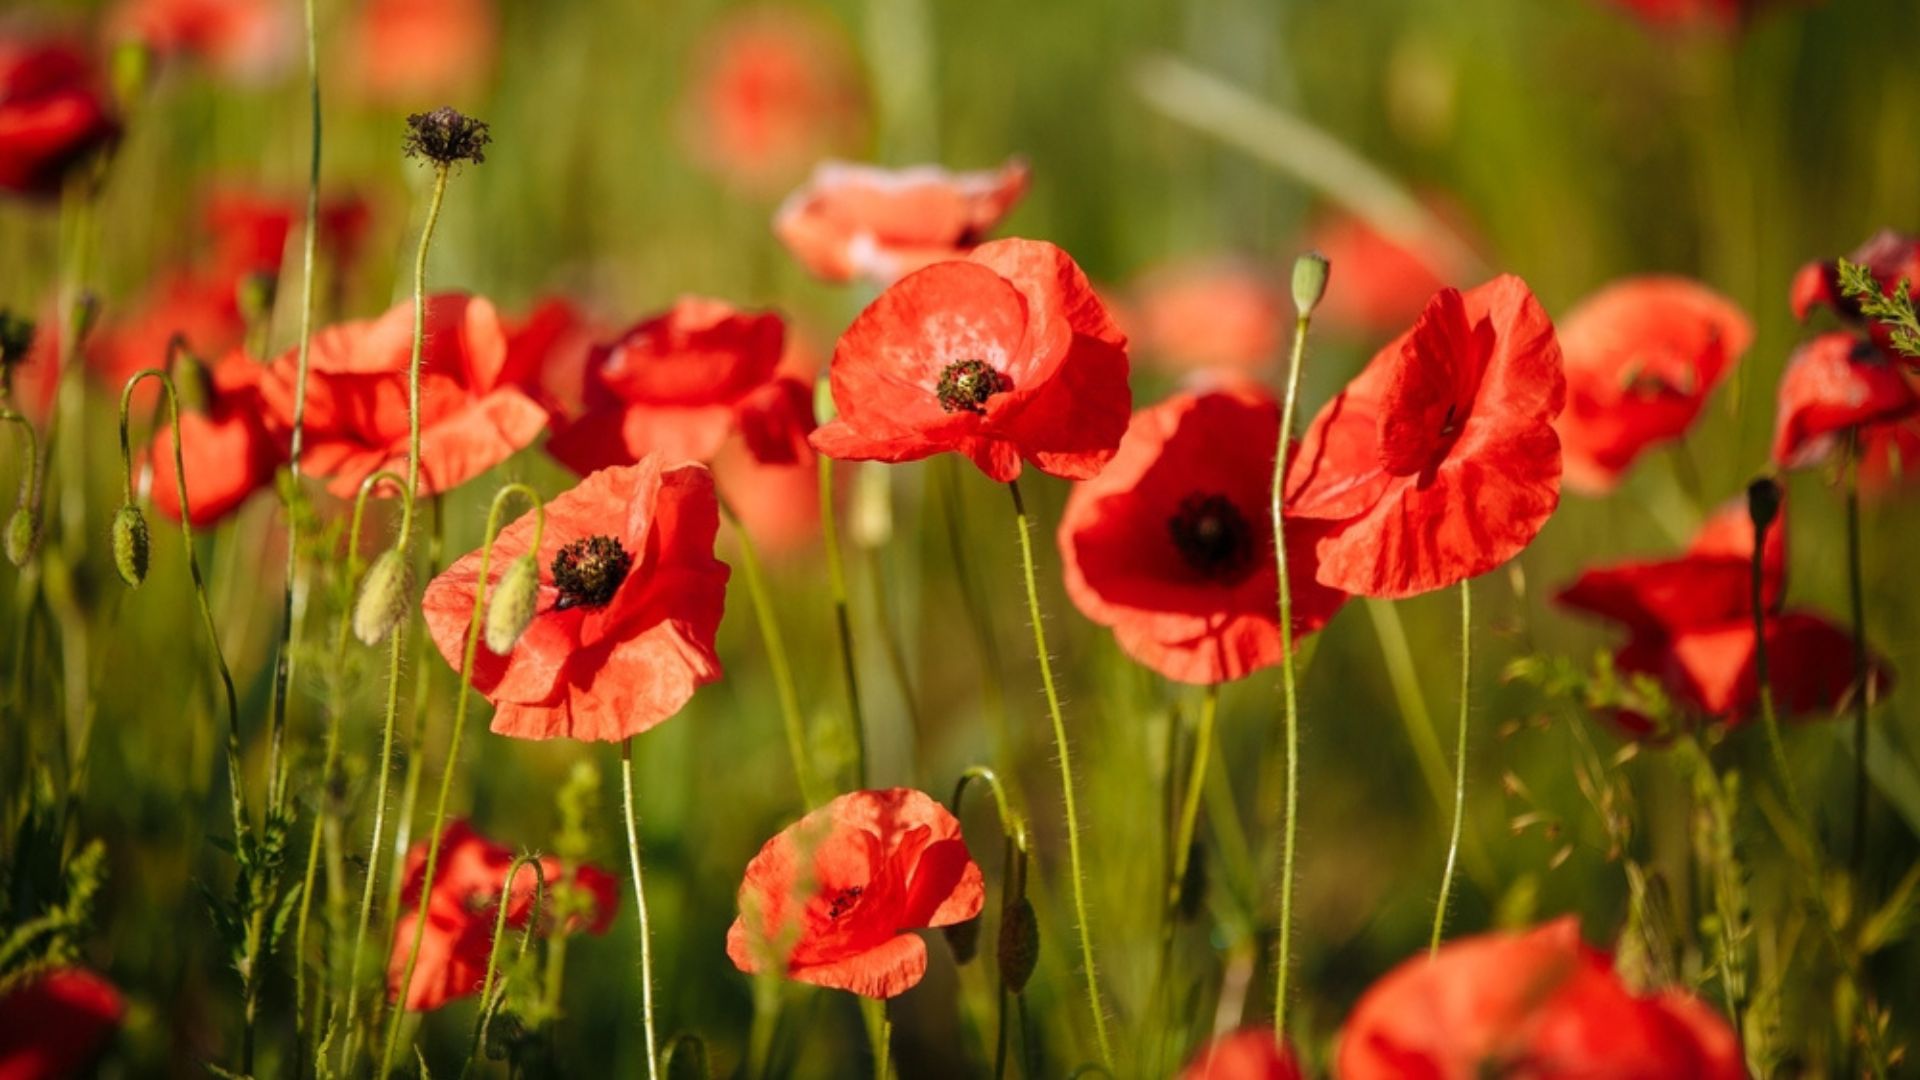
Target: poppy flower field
x=844 y=538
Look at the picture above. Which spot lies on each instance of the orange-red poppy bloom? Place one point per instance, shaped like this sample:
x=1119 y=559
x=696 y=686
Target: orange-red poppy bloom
x=630 y=598
x=1172 y=544
x=1889 y=456
x=774 y=90
x=1438 y=462
x=859 y=221
x=1890 y=257
x=1642 y=355
x=200 y=308
x=1379 y=283
x=1247 y=1054
x=228 y=450
x=471 y=417
x=470 y=883
x=53 y=113
x=1540 y=1004
x=548 y=351
x=246 y=40
x=250 y=230
x=679 y=384
x=1006 y=354
x=885 y=863
x=1216 y=313
x=420 y=52
x=1835 y=384
x=55 y=1025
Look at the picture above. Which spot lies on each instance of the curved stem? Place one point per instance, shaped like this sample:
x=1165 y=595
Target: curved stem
x=472 y=647
x=419 y=336
x=777 y=660
x=1190 y=797
x=488 y=1005
x=1862 y=679
x=837 y=580
x=1459 y=767
x=640 y=906
x=1064 y=754
x=1283 y=957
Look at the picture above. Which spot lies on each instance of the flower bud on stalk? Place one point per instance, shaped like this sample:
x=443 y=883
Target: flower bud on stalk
x=511 y=607
x=1310 y=273
x=22 y=529
x=384 y=596
x=1763 y=502
x=132 y=549
x=1019 y=951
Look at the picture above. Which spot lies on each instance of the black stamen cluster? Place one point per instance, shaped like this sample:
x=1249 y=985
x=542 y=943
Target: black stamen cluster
x=966 y=385
x=447 y=137
x=1213 y=537
x=589 y=571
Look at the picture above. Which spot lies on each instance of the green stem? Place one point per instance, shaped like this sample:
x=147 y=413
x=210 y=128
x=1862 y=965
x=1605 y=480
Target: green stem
x=1190 y=799
x=488 y=1005
x=837 y=580
x=1064 y=754
x=1459 y=767
x=640 y=906
x=879 y=1036
x=947 y=479
x=777 y=661
x=419 y=337
x=1862 y=679
x=1283 y=958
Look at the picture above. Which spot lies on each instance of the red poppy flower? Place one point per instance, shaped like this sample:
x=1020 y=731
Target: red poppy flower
x=1834 y=383
x=250 y=230
x=1539 y=1004
x=1889 y=256
x=201 y=309
x=1006 y=354
x=859 y=221
x=769 y=476
x=53 y=114
x=55 y=1025
x=1218 y=313
x=470 y=881
x=1172 y=544
x=1439 y=461
x=1710 y=583
x=471 y=417
x=679 y=384
x=1379 y=283
x=885 y=863
x=1247 y=1054
x=774 y=90
x=1642 y=355
x=630 y=599
x=228 y=450
x=247 y=40
x=548 y=351
x=420 y=52
x=1889 y=456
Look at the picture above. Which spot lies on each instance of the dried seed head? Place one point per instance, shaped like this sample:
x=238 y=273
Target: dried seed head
x=384 y=594
x=447 y=137
x=23 y=534
x=511 y=605
x=1019 y=950
x=1310 y=273
x=131 y=547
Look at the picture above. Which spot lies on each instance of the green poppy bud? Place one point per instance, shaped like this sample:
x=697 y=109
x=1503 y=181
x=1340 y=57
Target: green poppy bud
x=384 y=595
x=1310 y=273
x=131 y=547
x=511 y=605
x=23 y=528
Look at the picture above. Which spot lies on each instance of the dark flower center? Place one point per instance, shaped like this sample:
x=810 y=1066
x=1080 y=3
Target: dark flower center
x=1213 y=537
x=446 y=136
x=967 y=384
x=844 y=901
x=588 y=572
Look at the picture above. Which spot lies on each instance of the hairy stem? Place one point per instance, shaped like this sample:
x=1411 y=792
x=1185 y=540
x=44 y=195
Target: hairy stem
x=640 y=906
x=777 y=660
x=1283 y=958
x=837 y=580
x=1459 y=768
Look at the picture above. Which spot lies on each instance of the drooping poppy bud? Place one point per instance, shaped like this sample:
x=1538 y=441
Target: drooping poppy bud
x=512 y=605
x=383 y=597
x=131 y=546
x=22 y=529
x=1019 y=950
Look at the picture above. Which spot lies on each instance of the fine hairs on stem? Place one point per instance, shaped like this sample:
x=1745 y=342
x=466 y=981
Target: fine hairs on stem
x=777 y=661
x=640 y=906
x=1064 y=755
x=489 y=1001
x=1459 y=769
x=474 y=623
x=1015 y=953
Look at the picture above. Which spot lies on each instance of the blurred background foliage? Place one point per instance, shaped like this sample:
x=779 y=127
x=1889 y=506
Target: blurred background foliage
x=1574 y=143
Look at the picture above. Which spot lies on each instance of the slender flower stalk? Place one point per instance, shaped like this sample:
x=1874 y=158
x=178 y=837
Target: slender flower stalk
x=1189 y=817
x=1459 y=768
x=640 y=906
x=1862 y=681
x=1013 y=895
x=777 y=660
x=1309 y=285
x=489 y=1003
x=474 y=623
x=23 y=524
x=837 y=581
x=1064 y=754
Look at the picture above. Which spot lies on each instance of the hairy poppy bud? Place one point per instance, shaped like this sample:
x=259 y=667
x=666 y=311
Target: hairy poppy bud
x=964 y=939
x=511 y=606
x=131 y=547
x=1309 y=282
x=23 y=528
x=1019 y=951
x=383 y=597
x=1763 y=502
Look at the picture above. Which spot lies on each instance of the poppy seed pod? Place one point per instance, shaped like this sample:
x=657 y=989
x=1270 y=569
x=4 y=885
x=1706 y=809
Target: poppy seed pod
x=512 y=605
x=22 y=529
x=1310 y=272
x=1019 y=951
x=131 y=546
x=1763 y=502
x=383 y=597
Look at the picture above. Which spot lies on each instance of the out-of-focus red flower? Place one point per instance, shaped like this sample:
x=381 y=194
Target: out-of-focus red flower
x=470 y=881
x=629 y=602
x=250 y=230
x=1891 y=257
x=1219 y=313
x=1439 y=461
x=53 y=113
x=1690 y=626
x=680 y=383
x=773 y=90
x=1379 y=283
x=54 y=1026
x=227 y=447
x=421 y=52
x=356 y=421
x=859 y=221
x=548 y=351
x=246 y=40
x=1171 y=544
x=775 y=493
x=35 y=380
x=1721 y=14
x=1006 y=354
x=1642 y=355
x=200 y=308
x=885 y=863
x=1247 y=1054
x=1540 y=1004
x=1889 y=456
x=1836 y=383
